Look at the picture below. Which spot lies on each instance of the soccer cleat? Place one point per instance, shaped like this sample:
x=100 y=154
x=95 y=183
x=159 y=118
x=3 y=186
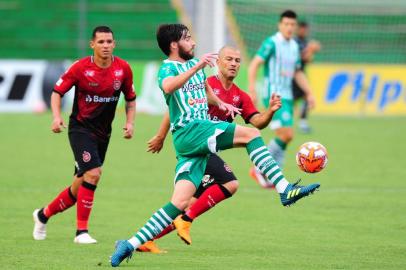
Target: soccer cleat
x=259 y=178
x=40 y=229
x=294 y=192
x=123 y=249
x=183 y=229
x=150 y=246
x=84 y=238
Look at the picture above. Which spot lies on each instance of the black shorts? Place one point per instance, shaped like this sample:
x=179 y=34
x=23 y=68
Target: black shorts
x=298 y=92
x=217 y=172
x=88 y=150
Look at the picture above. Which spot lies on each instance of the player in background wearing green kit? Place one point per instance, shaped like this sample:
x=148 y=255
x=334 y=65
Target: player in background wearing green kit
x=280 y=56
x=187 y=94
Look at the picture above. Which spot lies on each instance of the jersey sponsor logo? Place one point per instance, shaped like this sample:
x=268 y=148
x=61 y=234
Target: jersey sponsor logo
x=194 y=101
x=93 y=84
x=116 y=84
x=207 y=180
x=89 y=73
x=190 y=87
x=86 y=157
x=99 y=99
x=118 y=72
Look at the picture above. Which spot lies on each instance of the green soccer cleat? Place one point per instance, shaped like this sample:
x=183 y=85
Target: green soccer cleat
x=294 y=192
x=123 y=250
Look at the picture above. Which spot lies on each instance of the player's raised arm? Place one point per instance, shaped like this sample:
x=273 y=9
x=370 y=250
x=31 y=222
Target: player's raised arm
x=262 y=119
x=156 y=143
x=173 y=83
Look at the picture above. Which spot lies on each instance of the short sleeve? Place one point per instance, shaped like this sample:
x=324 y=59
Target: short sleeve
x=67 y=80
x=267 y=49
x=129 y=91
x=247 y=106
x=167 y=70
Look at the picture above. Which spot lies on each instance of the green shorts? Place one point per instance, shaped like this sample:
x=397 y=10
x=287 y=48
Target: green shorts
x=193 y=144
x=284 y=116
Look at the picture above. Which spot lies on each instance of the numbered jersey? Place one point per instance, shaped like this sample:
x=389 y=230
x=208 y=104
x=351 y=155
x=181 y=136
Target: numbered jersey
x=282 y=59
x=97 y=91
x=189 y=102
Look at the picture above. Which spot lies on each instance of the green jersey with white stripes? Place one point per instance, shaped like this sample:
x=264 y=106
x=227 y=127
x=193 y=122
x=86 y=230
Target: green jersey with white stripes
x=188 y=103
x=282 y=59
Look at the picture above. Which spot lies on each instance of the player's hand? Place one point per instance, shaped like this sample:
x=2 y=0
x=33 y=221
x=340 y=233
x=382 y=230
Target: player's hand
x=208 y=59
x=57 y=125
x=155 y=144
x=230 y=109
x=128 y=130
x=275 y=102
x=311 y=101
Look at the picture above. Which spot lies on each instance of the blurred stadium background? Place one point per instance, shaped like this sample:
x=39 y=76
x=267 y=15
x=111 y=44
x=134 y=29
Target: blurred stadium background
x=356 y=221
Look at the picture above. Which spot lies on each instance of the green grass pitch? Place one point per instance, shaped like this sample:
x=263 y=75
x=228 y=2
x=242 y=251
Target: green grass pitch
x=356 y=221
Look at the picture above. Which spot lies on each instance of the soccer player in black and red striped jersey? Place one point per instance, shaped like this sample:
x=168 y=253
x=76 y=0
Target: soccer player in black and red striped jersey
x=219 y=182
x=98 y=79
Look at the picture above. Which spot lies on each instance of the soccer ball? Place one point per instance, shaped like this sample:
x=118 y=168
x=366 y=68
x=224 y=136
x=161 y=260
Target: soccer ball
x=311 y=157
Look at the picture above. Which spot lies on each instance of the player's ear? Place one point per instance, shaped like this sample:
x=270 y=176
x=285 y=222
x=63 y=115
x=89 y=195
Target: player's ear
x=173 y=45
x=91 y=43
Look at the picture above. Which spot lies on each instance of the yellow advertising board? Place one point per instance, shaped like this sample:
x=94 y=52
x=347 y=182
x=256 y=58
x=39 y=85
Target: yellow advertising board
x=359 y=89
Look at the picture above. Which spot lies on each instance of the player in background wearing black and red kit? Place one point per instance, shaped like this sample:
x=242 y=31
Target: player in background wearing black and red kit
x=98 y=79
x=219 y=182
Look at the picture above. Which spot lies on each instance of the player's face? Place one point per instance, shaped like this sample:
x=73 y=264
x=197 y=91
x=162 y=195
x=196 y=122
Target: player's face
x=229 y=63
x=287 y=27
x=186 y=46
x=103 y=45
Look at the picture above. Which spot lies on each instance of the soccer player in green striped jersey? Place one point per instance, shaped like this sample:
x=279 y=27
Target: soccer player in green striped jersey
x=280 y=56
x=183 y=83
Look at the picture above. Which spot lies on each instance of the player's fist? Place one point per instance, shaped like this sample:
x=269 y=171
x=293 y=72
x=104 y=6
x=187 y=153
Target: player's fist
x=275 y=102
x=128 y=131
x=57 y=125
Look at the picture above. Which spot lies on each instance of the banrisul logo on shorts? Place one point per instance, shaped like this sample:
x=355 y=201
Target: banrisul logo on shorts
x=99 y=99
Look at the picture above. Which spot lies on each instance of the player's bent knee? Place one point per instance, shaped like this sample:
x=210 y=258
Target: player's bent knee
x=232 y=186
x=93 y=176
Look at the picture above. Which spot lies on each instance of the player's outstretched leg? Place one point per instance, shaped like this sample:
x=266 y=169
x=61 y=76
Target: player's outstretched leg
x=264 y=162
x=63 y=201
x=156 y=224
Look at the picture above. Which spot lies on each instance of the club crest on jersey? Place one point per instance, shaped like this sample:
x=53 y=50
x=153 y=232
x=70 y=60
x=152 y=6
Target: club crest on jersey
x=89 y=73
x=216 y=91
x=116 y=85
x=86 y=156
x=118 y=72
x=236 y=98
